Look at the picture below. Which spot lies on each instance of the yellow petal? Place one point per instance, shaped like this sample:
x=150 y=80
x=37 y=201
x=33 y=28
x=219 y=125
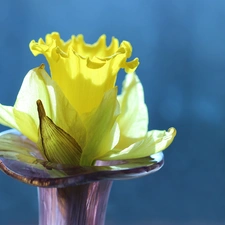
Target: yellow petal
x=54 y=101
x=26 y=125
x=102 y=130
x=57 y=145
x=16 y=147
x=84 y=72
x=133 y=120
x=18 y=120
x=7 y=117
x=154 y=142
x=34 y=87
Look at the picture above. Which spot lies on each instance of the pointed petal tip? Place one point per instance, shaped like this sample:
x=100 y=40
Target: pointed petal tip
x=40 y=108
x=42 y=66
x=172 y=131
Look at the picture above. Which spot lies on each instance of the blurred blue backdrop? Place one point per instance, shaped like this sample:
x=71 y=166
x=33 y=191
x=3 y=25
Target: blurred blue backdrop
x=181 y=47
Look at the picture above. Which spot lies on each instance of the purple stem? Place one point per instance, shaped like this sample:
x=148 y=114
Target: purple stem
x=76 y=205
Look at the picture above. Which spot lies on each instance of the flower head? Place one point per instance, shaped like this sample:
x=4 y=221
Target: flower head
x=75 y=116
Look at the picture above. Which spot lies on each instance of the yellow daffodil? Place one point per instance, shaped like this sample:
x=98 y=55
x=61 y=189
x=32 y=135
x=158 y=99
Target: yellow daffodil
x=75 y=116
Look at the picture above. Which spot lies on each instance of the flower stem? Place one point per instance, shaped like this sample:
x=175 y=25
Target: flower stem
x=76 y=205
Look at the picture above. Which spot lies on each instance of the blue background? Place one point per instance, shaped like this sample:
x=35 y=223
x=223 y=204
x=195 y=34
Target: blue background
x=181 y=47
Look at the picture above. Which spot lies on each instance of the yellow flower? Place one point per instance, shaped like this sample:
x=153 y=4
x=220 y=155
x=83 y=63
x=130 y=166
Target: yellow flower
x=75 y=116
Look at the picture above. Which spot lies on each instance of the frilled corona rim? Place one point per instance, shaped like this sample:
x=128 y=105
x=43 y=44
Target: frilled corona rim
x=30 y=168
